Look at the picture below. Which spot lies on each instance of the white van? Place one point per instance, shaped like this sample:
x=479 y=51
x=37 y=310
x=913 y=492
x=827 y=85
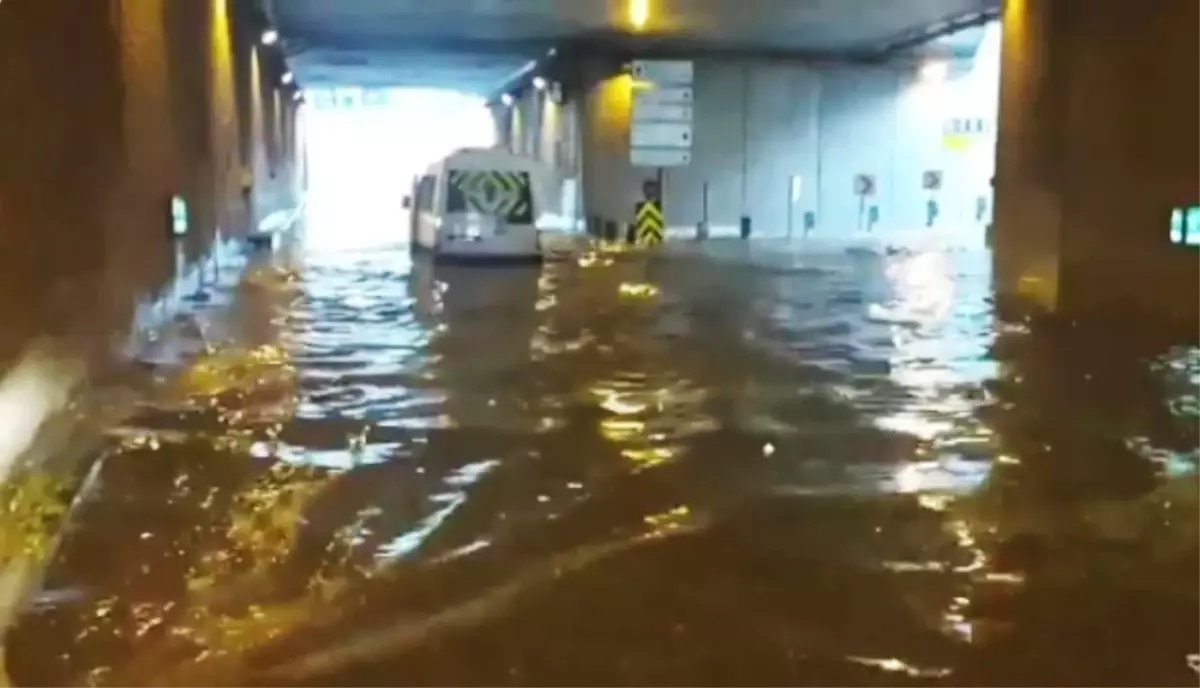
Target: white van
x=479 y=204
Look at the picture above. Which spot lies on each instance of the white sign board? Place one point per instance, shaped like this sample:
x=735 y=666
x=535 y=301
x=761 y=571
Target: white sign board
x=662 y=112
x=661 y=131
x=797 y=187
x=864 y=185
x=664 y=72
x=931 y=180
x=322 y=99
x=964 y=125
x=644 y=96
x=661 y=135
x=660 y=157
x=376 y=97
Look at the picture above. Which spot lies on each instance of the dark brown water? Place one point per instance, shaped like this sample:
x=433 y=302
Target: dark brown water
x=839 y=469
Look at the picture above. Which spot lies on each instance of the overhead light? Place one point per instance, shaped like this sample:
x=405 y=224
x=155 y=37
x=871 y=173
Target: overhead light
x=507 y=99
x=935 y=71
x=287 y=78
x=539 y=83
x=639 y=13
x=298 y=95
x=552 y=52
x=270 y=37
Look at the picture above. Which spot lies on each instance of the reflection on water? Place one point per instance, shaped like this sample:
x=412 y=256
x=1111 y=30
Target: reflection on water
x=834 y=469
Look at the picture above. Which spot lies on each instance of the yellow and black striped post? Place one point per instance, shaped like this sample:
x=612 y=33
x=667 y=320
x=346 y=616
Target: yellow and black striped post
x=650 y=226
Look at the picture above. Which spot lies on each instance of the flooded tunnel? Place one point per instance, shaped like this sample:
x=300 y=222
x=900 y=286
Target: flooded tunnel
x=280 y=443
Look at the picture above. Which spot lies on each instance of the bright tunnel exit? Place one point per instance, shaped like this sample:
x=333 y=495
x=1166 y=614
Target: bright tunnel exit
x=365 y=146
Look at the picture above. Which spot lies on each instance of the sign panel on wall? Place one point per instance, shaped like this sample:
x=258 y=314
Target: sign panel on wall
x=664 y=71
x=864 y=185
x=376 y=97
x=661 y=131
x=931 y=180
x=321 y=99
x=662 y=135
x=660 y=157
x=349 y=98
x=958 y=133
x=662 y=111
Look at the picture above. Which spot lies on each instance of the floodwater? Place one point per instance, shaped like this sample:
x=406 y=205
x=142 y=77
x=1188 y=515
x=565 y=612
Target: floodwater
x=835 y=468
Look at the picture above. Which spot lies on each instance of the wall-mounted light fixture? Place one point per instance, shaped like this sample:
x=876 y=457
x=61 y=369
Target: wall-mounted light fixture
x=507 y=99
x=539 y=82
x=287 y=78
x=179 y=216
x=270 y=37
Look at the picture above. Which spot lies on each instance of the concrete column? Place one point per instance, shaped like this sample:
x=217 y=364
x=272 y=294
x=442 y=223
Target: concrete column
x=1097 y=141
x=528 y=107
x=549 y=130
x=224 y=114
x=500 y=116
x=611 y=185
x=260 y=156
x=516 y=129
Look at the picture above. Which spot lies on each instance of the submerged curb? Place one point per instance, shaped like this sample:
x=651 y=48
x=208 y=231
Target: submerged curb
x=74 y=424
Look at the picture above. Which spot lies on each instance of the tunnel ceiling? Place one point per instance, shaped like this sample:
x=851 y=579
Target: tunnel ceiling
x=477 y=45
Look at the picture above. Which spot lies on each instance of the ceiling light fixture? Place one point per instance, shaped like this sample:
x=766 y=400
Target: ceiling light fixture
x=639 y=13
x=934 y=71
x=270 y=37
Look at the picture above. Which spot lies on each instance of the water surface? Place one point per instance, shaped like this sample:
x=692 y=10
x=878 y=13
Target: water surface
x=830 y=468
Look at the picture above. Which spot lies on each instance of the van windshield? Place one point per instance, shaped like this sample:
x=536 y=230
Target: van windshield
x=502 y=194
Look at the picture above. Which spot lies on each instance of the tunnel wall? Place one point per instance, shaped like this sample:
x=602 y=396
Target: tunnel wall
x=760 y=123
x=1097 y=144
x=110 y=108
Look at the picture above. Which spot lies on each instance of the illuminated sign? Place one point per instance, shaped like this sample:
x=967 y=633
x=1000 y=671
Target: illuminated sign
x=179 y=216
x=1185 y=226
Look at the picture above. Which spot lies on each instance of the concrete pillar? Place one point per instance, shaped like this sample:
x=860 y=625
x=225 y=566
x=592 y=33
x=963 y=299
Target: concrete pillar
x=611 y=185
x=1097 y=141
x=500 y=116
x=224 y=113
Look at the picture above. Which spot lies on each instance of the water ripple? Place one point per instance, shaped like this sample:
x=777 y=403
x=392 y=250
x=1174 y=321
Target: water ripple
x=834 y=469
